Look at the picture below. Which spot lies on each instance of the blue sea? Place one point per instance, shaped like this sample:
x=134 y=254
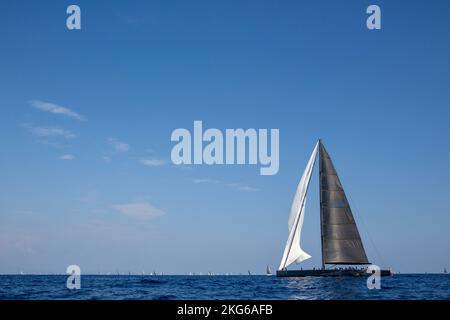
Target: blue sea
x=48 y=287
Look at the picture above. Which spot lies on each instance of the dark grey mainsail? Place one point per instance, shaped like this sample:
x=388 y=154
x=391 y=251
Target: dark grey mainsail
x=341 y=243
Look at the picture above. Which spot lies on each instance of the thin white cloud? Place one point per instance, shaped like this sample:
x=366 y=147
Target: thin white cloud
x=139 y=210
x=152 y=162
x=206 y=181
x=235 y=186
x=247 y=189
x=106 y=159
x=118 y=145
x=50 y=132
x=49 y=143
x=56 y=109
x=67 y=157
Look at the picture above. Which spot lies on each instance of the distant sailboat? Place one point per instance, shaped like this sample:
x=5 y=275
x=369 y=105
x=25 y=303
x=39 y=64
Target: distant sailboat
x=268 y=271
x=249 y=273
x=445 y=270
x=340 y=239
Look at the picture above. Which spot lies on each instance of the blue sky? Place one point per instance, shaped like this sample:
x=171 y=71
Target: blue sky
x=96 y=187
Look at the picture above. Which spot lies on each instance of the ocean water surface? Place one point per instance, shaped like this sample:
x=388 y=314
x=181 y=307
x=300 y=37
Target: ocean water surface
x=49 y=287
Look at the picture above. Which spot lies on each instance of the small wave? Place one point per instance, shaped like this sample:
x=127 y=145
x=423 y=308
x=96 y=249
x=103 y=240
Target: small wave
x=165 y=297
x=152 y=281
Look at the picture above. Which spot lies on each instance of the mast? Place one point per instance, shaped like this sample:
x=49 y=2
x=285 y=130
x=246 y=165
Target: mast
x=321 y=203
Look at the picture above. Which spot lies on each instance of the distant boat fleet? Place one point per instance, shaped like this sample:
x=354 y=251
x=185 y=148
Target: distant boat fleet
x=154 y=273
x=209 y=273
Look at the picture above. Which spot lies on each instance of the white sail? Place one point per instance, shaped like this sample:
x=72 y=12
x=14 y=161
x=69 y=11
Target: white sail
x=293 y=252
x=268 y=271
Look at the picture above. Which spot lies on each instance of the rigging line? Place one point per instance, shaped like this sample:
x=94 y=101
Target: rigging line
x=366 y=229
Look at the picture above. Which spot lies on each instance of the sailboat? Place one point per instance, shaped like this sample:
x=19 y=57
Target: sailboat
x=268 y=271
x=340 y=240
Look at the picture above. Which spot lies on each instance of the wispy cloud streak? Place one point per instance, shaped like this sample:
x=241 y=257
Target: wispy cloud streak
x=56 y=109
x=118 y=145
x=236 y=186
x=50 y=132
x=206 y=181
x=67 y=157
x=152 y=162
x=140 y=210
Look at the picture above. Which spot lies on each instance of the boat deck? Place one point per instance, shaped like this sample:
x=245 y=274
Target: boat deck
x=329 y=273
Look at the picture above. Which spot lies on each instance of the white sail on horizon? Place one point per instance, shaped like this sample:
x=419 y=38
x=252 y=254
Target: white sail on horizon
x=293 y=252
x=268 y=271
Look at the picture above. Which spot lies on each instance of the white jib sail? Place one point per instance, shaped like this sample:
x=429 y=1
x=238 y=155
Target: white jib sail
x=293 y=252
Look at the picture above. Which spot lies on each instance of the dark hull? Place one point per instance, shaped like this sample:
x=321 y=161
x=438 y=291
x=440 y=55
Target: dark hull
x=329 y=273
